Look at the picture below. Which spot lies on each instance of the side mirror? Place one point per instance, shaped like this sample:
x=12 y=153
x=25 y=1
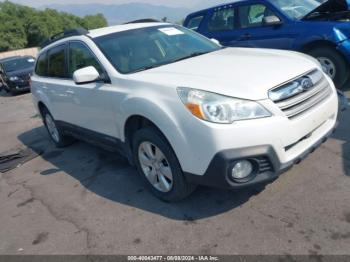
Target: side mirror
x=86 y=75
x=272 y=20
x=215 y=41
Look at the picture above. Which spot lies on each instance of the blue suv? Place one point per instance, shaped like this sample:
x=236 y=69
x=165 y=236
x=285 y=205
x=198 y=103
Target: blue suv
x=321 y=30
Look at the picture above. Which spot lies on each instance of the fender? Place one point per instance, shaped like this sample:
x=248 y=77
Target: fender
x=158 y=114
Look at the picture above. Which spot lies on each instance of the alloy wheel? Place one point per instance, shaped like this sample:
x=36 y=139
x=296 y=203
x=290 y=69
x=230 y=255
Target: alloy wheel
x=328 y=66
x=155 y=167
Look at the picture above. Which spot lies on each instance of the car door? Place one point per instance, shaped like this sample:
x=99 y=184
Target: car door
x=253 y=32
x=221 y=25
x=90 y=103
x=55 y=85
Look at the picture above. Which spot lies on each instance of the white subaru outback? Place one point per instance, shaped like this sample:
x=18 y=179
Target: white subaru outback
x=184 y=110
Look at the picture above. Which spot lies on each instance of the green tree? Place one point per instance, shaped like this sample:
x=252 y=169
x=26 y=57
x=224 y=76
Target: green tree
x=94 y=21
x=22 y=26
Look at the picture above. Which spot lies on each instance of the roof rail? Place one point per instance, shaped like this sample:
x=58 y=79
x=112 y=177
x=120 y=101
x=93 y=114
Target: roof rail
x=146 y=20
x=64 y=34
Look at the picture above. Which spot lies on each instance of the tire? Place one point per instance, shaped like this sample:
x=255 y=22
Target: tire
x=13 y=92
x=178 y=188
x=329 y=57
x=56 y=136
x=6 y=88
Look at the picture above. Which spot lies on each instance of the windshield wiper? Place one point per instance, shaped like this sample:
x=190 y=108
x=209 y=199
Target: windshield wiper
x=169 y=62
x=194 y=54
x=148 y=67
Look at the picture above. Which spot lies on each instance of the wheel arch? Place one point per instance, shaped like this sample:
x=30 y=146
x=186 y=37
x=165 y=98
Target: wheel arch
x=42 y=107
x=140 y=112
x=317 y=44
x=137 y=122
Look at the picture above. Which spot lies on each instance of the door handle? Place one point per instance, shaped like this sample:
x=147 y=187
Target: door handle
x=246 y=36
x=71 y=92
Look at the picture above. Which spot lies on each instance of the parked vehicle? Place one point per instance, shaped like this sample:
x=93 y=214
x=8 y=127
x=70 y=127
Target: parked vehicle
x=184 y=110
x=15 y=73
x=321 y=30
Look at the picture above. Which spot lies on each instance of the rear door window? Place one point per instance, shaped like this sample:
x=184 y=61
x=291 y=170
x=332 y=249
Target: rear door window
x=222 y=20
x=57 y=62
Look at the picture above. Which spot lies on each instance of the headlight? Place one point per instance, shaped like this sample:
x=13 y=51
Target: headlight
x=14 y=78
x=218 y=108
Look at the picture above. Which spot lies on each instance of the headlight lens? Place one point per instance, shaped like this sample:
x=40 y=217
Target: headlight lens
x=14 y=78
x=218 y=108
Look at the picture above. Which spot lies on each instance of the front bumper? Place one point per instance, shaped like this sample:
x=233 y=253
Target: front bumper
x=19 y=86
x=218 y=172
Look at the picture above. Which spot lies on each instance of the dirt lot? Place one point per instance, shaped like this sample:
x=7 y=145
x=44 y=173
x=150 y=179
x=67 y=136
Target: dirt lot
x=83 y=200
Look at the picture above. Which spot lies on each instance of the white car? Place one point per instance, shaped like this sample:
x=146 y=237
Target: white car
x=184 y=110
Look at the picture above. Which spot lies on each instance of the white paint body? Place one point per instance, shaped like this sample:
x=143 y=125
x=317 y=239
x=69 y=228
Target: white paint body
x=235 y=72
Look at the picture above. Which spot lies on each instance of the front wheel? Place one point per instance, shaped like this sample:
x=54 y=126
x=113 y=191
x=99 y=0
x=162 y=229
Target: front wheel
x=333 y=64
x=159 y=167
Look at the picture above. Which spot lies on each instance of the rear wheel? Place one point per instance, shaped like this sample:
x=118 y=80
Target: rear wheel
x=55 y=133
x=159 y=167
x=333 y=64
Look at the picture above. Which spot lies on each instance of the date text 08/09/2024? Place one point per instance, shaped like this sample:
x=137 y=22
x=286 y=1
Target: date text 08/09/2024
x=173 y=258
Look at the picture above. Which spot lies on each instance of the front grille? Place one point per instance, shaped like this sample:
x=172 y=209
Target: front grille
x=25 y=77
x=264 y=164
x=299 y=96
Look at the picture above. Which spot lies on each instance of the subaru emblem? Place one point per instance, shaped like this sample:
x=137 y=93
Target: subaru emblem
x=306 y=83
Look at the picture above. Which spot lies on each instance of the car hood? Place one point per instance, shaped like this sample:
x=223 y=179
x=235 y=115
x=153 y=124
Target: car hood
x=22 y=72
x=237 y=72
x=330 y=6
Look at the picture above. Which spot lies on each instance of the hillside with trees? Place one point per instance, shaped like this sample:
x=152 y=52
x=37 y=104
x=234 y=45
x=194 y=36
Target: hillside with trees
x=22 y=26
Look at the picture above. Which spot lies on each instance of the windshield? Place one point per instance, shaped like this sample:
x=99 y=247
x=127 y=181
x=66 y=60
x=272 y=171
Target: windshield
x=141 y=49
x=296 y=9
x=19 y=64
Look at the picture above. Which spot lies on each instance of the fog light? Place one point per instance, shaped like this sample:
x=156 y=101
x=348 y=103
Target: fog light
x=242 y=169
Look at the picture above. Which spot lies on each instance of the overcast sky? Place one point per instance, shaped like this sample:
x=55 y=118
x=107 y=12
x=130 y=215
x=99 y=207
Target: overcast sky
x=182 y=3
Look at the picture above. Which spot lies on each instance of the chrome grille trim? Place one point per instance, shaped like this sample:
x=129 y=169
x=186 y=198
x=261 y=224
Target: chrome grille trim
x=307 y=104
x=307 y=98
x=304 y=96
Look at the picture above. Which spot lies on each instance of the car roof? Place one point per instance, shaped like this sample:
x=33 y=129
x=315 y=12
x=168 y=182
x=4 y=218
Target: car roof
x=101 y=32
x=120 y=28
